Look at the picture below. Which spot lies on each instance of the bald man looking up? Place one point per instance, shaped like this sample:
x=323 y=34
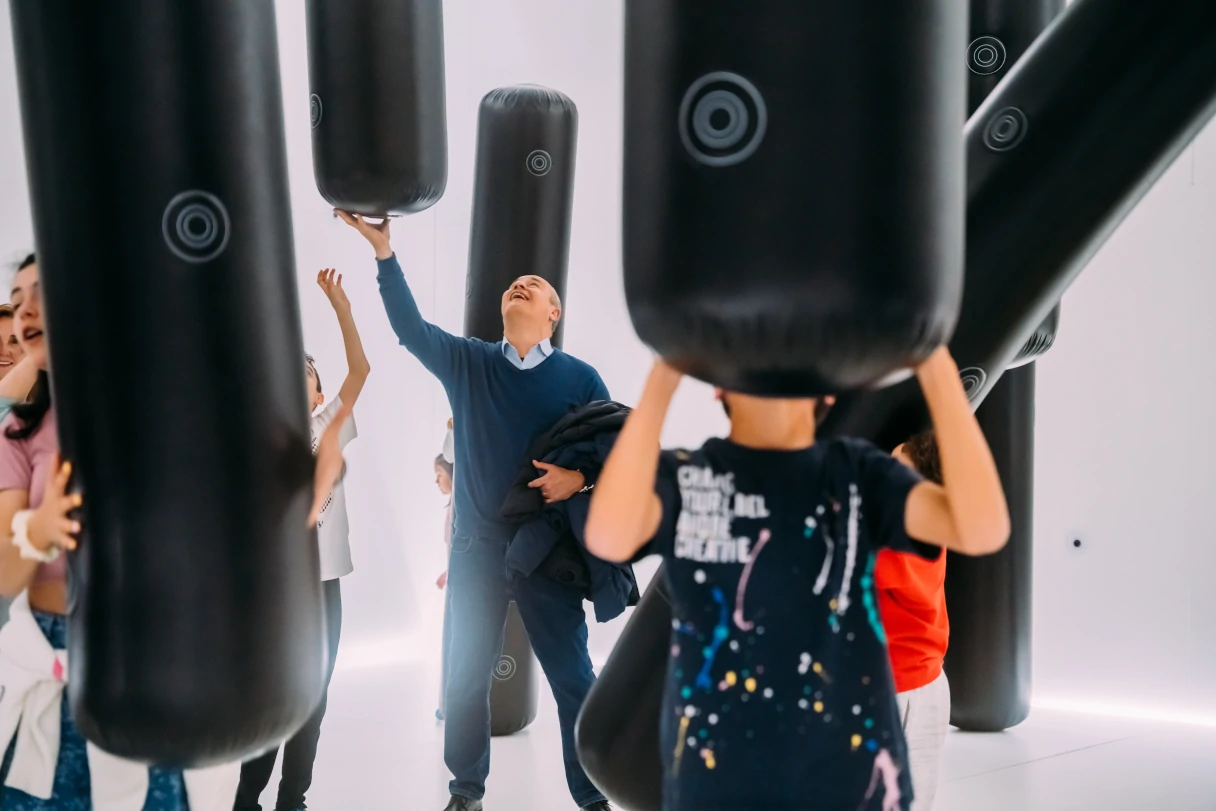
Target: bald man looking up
x=503 y=395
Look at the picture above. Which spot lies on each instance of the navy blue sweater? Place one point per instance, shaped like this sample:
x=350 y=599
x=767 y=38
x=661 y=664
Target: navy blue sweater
x=497 y=409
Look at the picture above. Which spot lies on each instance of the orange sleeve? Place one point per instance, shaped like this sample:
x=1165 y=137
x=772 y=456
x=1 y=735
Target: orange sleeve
x=893 y=570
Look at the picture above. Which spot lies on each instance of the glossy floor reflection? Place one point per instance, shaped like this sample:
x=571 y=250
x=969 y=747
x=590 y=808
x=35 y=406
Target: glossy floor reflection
x=381 y=750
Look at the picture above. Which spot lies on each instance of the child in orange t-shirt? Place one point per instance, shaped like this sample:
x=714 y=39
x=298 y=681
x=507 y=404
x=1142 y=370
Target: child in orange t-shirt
x=912 y=601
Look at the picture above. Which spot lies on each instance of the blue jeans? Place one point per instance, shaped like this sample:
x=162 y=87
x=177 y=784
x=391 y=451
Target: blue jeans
x=72 y=787
x=557 y=627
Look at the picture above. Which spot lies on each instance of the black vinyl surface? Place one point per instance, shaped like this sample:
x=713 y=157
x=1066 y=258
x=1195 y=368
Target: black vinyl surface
x=989 y=598
x=793 y=199
x=522 y=199
x=378 y=105
x=515 y=691
x=155 y=148
x=522 y=202
x=618 y=728
x=1057 y=156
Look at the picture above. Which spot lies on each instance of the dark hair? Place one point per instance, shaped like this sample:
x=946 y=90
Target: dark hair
x=8 y=310
x=822 y=407
x=31 y=413
x=442 y=462
x=922 y=450
x=312 y=364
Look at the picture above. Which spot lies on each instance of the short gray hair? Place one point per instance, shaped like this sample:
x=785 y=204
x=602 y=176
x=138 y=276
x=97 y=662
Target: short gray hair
x=556 y=301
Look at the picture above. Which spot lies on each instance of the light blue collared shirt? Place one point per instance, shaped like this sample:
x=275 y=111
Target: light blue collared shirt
x=535 y=357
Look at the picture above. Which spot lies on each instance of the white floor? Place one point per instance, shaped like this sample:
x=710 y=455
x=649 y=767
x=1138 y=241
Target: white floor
x=381 y=749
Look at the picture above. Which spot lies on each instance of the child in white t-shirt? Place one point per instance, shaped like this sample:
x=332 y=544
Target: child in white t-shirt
x=333 y=531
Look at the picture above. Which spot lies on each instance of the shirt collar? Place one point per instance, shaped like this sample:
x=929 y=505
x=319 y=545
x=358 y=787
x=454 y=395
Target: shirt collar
x=545 y=347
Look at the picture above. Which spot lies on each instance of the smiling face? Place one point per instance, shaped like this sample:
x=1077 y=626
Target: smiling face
x=531 y=300
x=26 y=296
x=11 y=352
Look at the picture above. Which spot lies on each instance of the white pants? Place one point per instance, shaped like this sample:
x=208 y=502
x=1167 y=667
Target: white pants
x=925 y=713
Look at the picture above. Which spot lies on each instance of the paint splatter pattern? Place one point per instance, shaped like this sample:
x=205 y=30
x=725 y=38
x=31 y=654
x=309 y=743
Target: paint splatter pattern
x=778 y=650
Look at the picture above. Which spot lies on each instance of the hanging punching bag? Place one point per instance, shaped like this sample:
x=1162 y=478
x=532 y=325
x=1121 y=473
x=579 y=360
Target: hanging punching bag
x=522 y=200
x=516 y=688
x=158 y=176
x=379 y=115
x=1062 y=150
x=989 y=598
x=618 y=727
x=793 y=201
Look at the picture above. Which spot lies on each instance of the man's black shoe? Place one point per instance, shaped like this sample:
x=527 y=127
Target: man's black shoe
x=602 y=805
x=458 y=803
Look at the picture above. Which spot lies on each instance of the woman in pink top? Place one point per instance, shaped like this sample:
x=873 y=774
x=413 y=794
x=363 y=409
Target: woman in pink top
x=30 y=475
x=38 y=525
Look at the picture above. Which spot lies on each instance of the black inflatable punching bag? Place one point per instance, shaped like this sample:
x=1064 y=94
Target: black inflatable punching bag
x=155 y=150
x=379 y=116
x=522 y=199
x=1120 y=87
x=1057 y=156
x=793 y=201
x=618 y=728
x=516 y=690
x=989 y=598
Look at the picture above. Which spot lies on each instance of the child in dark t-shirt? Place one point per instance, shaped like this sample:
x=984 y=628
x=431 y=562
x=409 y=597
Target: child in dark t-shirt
x=779 y=691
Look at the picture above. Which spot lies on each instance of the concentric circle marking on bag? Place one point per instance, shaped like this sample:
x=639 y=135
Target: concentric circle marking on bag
x=196 y=226
x=1006 y=129
x=723 y=119
x=539 y=162
x=986 y=56
x=973 y=379
x=315 y=109
x=505 y=668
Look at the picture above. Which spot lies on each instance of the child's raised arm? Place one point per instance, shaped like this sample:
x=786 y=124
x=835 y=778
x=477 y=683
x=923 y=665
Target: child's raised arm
x=967 y=513
x=625 y=511
x=357 y=366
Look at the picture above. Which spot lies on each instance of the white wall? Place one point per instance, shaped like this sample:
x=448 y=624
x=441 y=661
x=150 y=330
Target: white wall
x=1125 y=462
x=1123 y=443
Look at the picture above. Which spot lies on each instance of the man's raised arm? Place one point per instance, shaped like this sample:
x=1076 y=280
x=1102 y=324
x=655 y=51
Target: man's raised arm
x=436 y=348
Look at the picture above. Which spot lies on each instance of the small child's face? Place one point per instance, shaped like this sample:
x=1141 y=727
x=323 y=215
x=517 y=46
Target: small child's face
x=314 y=397
x=443 y=481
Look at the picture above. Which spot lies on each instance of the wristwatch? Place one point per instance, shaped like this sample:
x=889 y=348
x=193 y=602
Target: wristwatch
x=588 y=481
x=21 y=539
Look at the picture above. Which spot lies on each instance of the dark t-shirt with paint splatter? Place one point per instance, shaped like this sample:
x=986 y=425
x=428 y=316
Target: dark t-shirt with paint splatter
x=779 y=693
